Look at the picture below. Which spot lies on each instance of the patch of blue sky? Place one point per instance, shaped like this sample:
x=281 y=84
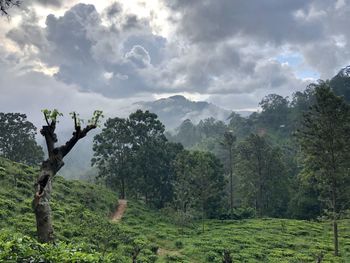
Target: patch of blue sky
x=292 y=59
x=296 y=62
x=307 y=73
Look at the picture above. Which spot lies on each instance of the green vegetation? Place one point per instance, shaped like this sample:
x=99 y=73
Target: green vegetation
x=81 y=212
x=17 y=139
x=84 y=233
x=248 y=240
x=234 y=194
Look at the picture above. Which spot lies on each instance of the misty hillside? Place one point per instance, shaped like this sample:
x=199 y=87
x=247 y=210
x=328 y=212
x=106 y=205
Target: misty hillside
x=171 y=111
x=174 y=110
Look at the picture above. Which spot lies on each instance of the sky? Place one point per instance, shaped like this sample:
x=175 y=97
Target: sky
x=86 y=55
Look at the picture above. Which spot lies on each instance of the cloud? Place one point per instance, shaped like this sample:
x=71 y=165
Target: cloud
x=83 y=49
x=265 y=20
x=55 y=3
x=315 y=29
x=226 y=50
x=139 y=56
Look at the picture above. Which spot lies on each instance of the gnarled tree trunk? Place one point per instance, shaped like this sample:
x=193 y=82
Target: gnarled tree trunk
x=49 y=168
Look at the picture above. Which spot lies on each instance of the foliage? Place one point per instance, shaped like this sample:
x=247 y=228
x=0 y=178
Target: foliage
x=81 y=211
x=262 y=176
x=249 y=240
x=199 y=183
x=17 y=139
x=324 y=137
x=81 y=223
x=134 y=156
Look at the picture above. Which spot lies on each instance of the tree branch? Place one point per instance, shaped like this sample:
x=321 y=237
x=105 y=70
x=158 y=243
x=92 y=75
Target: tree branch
x=77 y=135
x=50 y=137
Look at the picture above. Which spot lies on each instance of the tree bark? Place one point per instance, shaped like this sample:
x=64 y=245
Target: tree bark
x=41 y=202
x=335 y=234
x=123 y=188
x=49 y=168
x=231 y=183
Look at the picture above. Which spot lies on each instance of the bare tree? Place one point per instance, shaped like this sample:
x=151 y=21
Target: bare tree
x=49 y=168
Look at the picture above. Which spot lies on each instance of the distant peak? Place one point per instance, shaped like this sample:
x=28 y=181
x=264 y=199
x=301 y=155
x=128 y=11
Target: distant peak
x=178 y=97
x=345 y=72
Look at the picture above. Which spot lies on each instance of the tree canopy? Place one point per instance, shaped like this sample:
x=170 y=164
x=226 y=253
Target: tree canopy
x=17 y=139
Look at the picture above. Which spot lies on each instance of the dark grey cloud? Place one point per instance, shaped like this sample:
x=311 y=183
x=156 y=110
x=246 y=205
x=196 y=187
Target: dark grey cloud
x=226 y=49
x=98 y=58
x=316 y=29
x=55 y=3
x=267 y=20
x=113 y=10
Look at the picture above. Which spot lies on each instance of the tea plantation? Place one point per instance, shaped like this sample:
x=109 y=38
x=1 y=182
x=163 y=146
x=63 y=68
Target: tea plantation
x=84 y=233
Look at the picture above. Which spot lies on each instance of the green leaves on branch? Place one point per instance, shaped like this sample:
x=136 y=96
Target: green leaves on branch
x=96 y=118
x=51 y=115
x=94 y=121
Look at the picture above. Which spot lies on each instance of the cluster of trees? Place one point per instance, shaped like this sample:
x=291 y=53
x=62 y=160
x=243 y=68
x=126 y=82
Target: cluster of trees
x=289 y=160
x=17 y=139
x=135 y=158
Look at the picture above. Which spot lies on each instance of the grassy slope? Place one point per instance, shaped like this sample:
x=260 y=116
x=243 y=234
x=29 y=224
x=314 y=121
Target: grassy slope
x=69 y=198
x=81 y=218
x=253 y=240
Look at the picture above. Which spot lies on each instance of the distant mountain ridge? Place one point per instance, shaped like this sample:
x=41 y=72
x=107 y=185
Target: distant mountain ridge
x=172 y=111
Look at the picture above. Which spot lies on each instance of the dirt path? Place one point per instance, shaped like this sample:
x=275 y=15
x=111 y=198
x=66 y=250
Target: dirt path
x=118 y=214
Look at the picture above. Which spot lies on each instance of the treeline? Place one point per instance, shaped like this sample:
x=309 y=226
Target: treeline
x=267 y=154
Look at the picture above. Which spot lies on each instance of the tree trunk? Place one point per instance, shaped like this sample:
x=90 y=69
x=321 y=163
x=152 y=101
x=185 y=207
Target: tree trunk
x=335 y=223
x=231 y=183
x=49 y=168
x=123 y=188
x=42 y=212
x=335 y=235
x=41 y=202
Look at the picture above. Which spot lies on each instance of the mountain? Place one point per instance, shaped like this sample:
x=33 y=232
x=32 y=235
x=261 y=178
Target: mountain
x=174 y=110
x=340 y=83
x=171 y=111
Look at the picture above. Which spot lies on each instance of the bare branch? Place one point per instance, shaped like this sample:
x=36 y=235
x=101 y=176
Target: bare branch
x=77 y=135
x=6 y=4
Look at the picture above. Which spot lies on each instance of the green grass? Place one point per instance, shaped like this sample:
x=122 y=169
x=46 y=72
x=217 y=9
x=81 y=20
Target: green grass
x=84 y=234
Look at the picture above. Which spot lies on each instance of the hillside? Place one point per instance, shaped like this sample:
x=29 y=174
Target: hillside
x=249 y=240
x=174 y=110
x=81 y=220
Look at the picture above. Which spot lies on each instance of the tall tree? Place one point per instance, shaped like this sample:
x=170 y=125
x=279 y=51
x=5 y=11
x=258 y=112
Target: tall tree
x=49 y=168
x=17 y=139
x=113 y=153
x=229 y=143
x=325 y=139
x=275 y=109
x=262 y=176
x=199 y=182
x=134 y=154
x=147 y=134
